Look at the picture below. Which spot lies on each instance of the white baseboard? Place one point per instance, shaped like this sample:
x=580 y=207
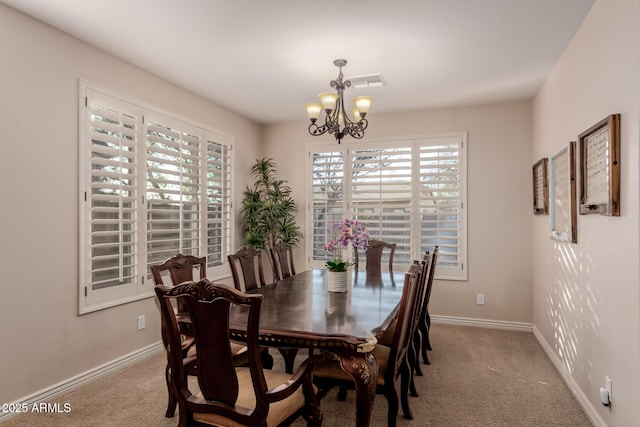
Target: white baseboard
x=79 y=380
x=591 y=412
x=483 y=323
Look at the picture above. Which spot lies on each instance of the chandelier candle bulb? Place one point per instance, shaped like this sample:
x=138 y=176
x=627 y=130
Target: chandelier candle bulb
x=363 y=103
x=328 y=101
x=313 y=111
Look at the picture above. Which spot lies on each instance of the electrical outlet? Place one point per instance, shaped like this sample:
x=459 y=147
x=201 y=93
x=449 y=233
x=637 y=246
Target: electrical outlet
x=480 y=299
x=141 y=322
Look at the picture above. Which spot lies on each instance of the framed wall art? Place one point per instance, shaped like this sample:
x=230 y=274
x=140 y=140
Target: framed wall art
x=600 y=168
x=562 y=195
x=540 y=187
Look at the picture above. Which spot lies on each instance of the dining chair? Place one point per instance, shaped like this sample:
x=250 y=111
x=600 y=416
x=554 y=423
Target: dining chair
x=282 y=261
x=246 y=269
x=227 y=395
x=181 y=269
x=424 y=324
x=283 y=267
x=374 y=255
x=392 y=360
x=413 y=353
x=421 y=330
x=251 y=276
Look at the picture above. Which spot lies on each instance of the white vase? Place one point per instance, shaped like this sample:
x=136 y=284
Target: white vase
x=337 y=281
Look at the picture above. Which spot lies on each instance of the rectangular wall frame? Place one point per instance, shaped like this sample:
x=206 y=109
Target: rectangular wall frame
x=600 y=168
x=541 y=187
x=562 y=195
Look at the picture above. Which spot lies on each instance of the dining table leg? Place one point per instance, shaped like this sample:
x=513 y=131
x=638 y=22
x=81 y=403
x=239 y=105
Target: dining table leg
x=363 y=368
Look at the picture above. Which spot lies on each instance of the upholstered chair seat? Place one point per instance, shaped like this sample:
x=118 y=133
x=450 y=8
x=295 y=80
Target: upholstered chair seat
x=278 y=411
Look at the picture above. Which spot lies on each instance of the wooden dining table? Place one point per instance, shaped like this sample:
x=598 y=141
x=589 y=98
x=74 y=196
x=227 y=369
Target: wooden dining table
x=299 y=312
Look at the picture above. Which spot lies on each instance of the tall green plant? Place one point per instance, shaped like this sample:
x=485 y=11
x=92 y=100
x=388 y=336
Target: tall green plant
x=268 y=210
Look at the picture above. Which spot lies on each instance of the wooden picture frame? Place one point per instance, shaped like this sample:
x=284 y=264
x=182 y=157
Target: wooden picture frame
x=600 y=168
x=562 y=195
x=541 y=187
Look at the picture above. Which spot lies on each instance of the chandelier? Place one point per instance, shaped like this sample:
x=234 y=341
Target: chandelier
x=337 y=121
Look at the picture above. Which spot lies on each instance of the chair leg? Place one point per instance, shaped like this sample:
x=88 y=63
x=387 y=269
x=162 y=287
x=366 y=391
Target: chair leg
x=417 y=340
x=425 y=358
x=342 y=393
x=428 y=327
x=266 y=358
x=184 y=419
x=423 y=327
x=313 y=413
x=392 y=403
x=171 y=404
x=289 y=356
x=405 y=380
x=412 y=365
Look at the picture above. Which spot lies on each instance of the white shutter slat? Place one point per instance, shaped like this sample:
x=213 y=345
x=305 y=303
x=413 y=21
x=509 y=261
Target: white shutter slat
x=440 y=201
x=218 y=215
x=173 y=187
x=112 y=206
x=381 y=196
x=328 y=172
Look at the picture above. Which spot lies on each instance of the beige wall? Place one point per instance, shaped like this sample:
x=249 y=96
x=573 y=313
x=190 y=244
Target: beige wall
x=44 y=341
x=586 y=295
x=586 y=302
x=499 y=203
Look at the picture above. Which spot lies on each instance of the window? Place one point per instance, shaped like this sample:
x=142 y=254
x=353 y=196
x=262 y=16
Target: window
x=409 y=192
x=150 y=186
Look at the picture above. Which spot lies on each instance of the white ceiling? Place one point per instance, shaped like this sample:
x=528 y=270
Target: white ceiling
x=265 y=59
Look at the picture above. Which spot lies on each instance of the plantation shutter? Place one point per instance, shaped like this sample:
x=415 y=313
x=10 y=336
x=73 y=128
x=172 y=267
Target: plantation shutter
x=441 y=219
x=410 y=192
x=111 y=203
x=174 y=187
x=381 y=188
x=151 y=186
x=218 y=201
x=328 y=198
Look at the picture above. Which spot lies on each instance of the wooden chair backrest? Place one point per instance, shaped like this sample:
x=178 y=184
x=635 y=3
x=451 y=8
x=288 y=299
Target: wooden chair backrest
x=209 y=306
x=424 y=267
x=404 y=322
x=282 y=258
x=432 y=271
x=249 y=262
x=180 y=268
x=374 y=254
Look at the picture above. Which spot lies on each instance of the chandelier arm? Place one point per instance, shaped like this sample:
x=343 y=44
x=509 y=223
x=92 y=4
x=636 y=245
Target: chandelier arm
x=356 y=130
x=316 y=130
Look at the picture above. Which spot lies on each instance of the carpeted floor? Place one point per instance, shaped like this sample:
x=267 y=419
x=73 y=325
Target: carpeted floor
x=478 y=377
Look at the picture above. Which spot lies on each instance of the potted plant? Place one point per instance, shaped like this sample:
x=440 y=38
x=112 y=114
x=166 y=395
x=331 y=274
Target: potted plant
x=345 y=232
x=268 y=210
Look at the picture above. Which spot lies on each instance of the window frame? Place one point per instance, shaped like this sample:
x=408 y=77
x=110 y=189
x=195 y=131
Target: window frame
x=460 y=273
x=141 y=286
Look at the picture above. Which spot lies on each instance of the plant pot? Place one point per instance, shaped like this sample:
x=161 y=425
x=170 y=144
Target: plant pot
x=337 y=281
